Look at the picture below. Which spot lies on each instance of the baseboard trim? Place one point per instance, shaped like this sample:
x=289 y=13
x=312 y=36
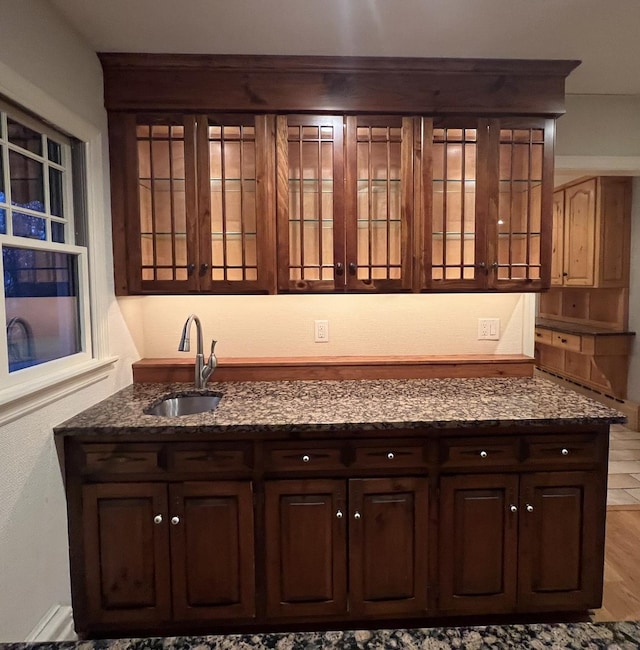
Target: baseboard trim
x=55 y=625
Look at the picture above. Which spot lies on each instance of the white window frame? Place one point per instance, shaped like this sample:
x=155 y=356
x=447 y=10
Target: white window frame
x=95 y=362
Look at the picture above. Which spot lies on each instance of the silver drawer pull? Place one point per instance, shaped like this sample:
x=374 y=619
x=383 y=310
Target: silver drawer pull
x=157 y=519
x=357 y=515
x=339 y=514
x=483 y=454
x=513 y=508
x=529 y=507
x=391 y=455
x=306 y=458
x=175 y=520
x=565 y=451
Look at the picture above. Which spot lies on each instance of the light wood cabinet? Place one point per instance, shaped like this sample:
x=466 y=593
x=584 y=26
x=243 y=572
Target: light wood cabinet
x=305 y=175
x=592 y=229
x=597 y=359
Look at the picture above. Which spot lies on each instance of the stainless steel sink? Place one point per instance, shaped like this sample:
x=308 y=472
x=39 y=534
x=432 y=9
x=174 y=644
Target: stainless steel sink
x=187 y=404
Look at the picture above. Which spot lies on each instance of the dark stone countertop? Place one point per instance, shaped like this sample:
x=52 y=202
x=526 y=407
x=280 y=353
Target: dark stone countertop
x=348 y=405
x=559 y=636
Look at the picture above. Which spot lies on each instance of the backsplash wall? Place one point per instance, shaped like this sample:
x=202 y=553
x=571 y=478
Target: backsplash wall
x=359 y=325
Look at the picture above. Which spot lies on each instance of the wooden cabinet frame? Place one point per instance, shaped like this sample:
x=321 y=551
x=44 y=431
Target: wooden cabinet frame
x=500 y=92
x=315 y=512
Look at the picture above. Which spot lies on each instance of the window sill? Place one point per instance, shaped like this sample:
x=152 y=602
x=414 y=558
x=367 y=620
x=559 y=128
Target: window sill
x=20 y=400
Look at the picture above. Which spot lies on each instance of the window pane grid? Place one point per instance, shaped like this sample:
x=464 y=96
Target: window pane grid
x=44 y=273
x=33 y=183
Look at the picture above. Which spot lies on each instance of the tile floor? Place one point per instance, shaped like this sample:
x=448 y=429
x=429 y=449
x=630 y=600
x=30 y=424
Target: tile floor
x=624 y=467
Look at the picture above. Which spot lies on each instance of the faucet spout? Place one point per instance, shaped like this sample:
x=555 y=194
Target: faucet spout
x=202 y=372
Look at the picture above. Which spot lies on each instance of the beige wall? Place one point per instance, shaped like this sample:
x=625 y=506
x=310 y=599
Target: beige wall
x=47 y=67
x=283 y=325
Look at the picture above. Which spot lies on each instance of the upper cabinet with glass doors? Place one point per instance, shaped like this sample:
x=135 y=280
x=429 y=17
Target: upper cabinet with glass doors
x=487 y=188
x=344 y=203
x=236 y=174
x=194 y=184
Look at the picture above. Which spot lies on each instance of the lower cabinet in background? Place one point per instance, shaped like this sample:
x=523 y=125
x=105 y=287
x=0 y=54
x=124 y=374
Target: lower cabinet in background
x=171 y=536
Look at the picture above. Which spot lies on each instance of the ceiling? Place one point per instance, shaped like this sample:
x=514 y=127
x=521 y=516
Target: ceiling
x=605 y=36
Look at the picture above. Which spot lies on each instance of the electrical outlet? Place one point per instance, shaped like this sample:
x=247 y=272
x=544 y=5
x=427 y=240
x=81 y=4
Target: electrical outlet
x=489 y=329
x=321 y=331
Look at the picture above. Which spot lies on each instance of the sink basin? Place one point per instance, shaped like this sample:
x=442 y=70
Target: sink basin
x=187 y=404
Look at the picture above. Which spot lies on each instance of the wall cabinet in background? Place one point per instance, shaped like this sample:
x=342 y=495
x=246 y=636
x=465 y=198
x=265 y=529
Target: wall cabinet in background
x=591 y=233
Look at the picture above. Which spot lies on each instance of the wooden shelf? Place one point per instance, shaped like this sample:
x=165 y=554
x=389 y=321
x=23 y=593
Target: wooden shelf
x=291 y=368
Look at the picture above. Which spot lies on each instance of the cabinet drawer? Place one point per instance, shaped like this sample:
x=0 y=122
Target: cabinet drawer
x=571 y=342
x=389 y=456
x=302 y=457
x=122 y=459
x=209 y=458
x=564 y=451
x=543 y=336
x=477 y=453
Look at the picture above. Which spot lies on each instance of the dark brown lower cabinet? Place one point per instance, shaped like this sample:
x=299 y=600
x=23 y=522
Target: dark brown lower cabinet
x=520 y=543
x=157 y=552
x=324 y=535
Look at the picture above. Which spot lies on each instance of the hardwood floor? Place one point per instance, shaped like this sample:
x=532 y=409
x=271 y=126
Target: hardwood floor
x=622 y=566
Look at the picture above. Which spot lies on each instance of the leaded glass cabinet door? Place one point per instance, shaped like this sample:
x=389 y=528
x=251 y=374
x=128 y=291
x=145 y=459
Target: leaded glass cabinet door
x=520 y=221
x=310 y=203
x=165 y=200
x=379 y=200
x=236 y=216
x=454 y=180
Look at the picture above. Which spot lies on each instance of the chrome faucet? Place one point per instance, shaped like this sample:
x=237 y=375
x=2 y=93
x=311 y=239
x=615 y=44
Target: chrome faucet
x=202 y=371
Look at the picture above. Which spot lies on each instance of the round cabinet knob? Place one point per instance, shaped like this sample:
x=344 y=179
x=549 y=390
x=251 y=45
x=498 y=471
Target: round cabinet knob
x=529 y=507
x=357 y=515
x=175 y=520
x=391 y=455
x=339 y=514
x=483 y=454
x=306 y=458
x=513 y=508
x=565 y=451
x=157 y=519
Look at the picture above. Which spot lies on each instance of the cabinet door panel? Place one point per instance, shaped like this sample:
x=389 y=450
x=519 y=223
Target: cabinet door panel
x=455 y=203
x=388 y=546
x=580 y=233
x=561 y=543
x=126 y=553
x=167 y=213
x=478 y=543
x=305 y=547
x=519 y=230
x=557 y=240
x=379 y=203
x=310 y=202
x=212 y=550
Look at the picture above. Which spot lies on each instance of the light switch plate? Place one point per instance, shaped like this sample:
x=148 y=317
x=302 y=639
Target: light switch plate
x=489 y=329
